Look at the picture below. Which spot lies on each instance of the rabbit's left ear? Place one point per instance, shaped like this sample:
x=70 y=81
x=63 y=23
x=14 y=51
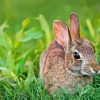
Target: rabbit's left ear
x=61 y=34
x=74 y=27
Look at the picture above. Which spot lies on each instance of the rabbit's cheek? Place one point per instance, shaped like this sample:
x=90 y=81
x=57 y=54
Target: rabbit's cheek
x=75 y=65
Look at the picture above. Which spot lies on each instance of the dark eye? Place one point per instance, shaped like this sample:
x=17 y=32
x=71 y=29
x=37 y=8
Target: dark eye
x=76 y=55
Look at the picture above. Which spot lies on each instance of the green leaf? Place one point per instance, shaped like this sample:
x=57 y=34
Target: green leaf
x=2 y=27
x=10 y=61
x=5 y=41
x=32 y=33
x=26 y=23
x=2 y=61
x=44 y=24
x=45 y=27
x=20 y=65
x=90 y=27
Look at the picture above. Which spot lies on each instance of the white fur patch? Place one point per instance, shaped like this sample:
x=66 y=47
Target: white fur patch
x=98 y=72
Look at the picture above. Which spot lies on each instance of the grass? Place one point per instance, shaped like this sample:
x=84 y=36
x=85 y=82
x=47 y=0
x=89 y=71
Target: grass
x=19 y=62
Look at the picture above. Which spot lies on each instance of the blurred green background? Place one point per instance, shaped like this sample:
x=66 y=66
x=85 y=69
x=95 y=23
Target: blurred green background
x=26 y=30
x=17 y=10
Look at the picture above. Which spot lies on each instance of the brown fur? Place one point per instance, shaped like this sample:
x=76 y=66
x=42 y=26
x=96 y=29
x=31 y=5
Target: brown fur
x=57 y=76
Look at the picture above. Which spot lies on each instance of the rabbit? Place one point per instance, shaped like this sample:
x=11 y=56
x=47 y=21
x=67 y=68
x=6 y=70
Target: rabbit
x=70 y=60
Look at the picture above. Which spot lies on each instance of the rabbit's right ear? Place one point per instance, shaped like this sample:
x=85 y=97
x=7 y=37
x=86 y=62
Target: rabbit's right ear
x=61 y=34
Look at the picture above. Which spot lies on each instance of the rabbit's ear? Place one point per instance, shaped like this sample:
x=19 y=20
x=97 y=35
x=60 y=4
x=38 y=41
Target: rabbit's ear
x=74 y=27
x=61 y=34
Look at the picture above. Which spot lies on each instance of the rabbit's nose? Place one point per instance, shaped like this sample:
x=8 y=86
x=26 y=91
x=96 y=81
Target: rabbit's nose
x=93 y=71
x=96 y=68
x=96 y=71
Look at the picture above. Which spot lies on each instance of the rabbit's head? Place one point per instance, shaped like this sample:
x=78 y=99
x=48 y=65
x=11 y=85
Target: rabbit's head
x=79 y=53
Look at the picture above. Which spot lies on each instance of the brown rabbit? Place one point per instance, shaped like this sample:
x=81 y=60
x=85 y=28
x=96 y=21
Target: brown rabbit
x=70 y=60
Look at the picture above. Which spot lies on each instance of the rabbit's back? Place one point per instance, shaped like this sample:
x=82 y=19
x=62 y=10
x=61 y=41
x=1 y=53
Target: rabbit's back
x=54 y=64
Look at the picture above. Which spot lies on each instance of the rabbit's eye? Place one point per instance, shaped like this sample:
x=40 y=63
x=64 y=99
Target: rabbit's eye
x=76 y=55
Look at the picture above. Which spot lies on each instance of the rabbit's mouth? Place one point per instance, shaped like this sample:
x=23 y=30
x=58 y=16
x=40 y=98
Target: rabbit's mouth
x=80 y=73
x=87 y=71
x=87 y=74
x=75 y=72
